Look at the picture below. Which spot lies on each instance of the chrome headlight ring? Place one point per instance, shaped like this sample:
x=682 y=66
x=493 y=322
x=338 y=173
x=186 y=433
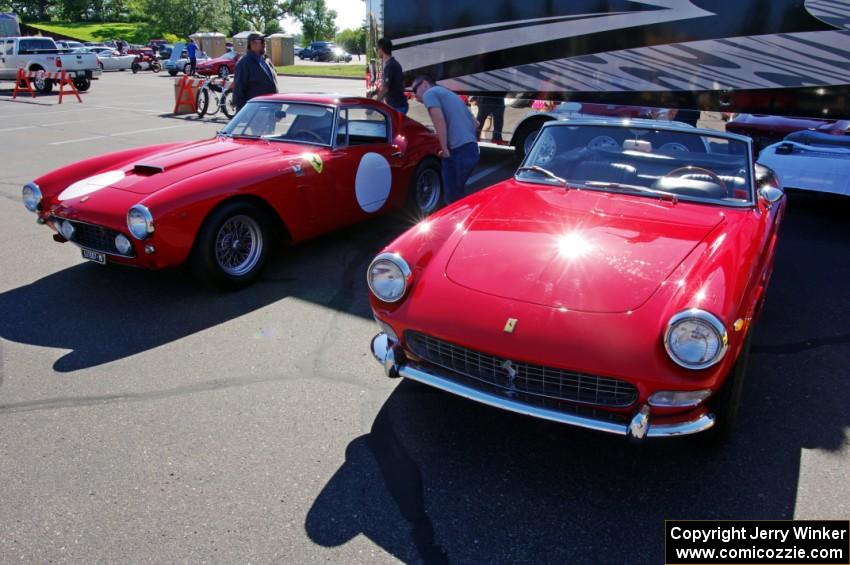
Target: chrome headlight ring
x=31 y=195
x=140 y=222
x=696 y=333
x=389 y=277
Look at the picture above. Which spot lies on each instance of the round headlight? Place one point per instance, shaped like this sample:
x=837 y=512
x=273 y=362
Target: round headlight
x=696 y=339
x=66 y=228
x=140 y=221
x=388 y=277
x=122 y=244
x=31 y=195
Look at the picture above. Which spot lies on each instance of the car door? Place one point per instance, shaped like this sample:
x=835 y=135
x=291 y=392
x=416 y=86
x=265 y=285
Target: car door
x=7 y=52
x=367 y=165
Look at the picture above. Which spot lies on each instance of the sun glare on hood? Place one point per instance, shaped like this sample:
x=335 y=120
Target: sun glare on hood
x=573 y=245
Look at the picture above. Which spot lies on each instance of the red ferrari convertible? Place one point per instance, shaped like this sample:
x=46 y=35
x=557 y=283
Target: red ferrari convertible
x=291 y=166
x=612 y=284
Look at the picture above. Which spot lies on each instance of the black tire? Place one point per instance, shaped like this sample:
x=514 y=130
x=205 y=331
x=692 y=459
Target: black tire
x=202 y=102
x=172 y=72
x=100 y=66
x=726 y=401
x=227 y=105
x=135 y=67
x=82 y=84
x=156 y=66
x=43 y=86
x=522 y=136
x=425 y=194
x=216 y=245
x=223 y=72
x=187 y=69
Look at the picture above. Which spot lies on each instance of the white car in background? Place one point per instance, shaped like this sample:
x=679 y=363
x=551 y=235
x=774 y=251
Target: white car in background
x=109 y=59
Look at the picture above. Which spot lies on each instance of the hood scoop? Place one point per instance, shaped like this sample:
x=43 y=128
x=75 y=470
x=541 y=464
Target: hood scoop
x=147 y=170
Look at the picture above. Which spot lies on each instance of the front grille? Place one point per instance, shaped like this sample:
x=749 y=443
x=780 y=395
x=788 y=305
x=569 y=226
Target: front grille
x=530 y=381
x=96 y=238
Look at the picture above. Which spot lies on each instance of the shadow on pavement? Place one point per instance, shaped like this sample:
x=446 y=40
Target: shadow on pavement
x=442 y=479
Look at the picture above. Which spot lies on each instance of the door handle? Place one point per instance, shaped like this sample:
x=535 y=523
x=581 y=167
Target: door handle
x=398 y=154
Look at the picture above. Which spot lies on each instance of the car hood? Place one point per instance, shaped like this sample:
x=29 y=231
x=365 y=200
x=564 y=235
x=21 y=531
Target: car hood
x=577 y=250
x=160 y=170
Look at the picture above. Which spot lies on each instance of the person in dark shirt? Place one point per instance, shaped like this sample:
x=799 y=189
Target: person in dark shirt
x=254 y=76
x=192 y=51
x=391 y=91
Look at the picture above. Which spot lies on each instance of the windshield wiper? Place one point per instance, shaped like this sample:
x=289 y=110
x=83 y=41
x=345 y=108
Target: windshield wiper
x=633 y=187
x=545 y=172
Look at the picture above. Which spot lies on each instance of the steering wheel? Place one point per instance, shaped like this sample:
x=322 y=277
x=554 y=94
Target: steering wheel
x=690 y=171
x=310 y=133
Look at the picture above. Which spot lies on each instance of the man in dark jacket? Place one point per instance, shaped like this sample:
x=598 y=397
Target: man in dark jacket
x=254 y=76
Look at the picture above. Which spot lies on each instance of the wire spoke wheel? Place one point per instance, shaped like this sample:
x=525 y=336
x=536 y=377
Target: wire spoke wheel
x=239 y=245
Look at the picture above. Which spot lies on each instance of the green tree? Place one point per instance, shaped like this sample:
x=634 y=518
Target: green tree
x=352 y=40
x=184 y=18
x=317 y=22
x=264 y=15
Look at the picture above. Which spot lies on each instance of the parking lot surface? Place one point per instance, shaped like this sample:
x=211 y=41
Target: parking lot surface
x=147 y=419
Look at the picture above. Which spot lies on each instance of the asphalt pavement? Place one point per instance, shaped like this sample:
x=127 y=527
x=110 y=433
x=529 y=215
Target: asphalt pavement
x=147 y=419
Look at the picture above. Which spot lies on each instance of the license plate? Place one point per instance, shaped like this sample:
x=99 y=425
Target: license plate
x=81 y=74
x=94 y=256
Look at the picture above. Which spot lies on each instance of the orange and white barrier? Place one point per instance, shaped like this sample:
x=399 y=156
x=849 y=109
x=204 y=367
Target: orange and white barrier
x=186 y=92
x=23 y=83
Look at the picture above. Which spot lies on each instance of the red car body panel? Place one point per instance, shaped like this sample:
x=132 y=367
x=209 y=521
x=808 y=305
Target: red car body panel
x=771 y=129
x=211 y=67
x=182 y=183
x=598 y=305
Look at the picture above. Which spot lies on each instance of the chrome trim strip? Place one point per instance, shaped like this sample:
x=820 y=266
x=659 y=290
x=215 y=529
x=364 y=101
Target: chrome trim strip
x=382 y=349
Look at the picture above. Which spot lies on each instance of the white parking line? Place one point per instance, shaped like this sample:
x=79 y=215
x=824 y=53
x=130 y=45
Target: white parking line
x=18 y=128
x=77 y=140
x=121 y=133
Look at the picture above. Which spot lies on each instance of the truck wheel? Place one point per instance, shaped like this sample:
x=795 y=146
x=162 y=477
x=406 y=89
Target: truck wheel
x=726 y=401
x=44 y=86
x=232 y=246
x=82 y=84
x=525 y=136
x=172 y=72
x=426 y=188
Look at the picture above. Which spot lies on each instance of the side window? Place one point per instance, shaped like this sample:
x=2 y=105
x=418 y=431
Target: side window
x=362 y=126
x=10 y=47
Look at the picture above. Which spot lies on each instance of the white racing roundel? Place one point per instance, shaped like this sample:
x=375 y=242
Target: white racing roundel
x=91 y=184
x=373 y=182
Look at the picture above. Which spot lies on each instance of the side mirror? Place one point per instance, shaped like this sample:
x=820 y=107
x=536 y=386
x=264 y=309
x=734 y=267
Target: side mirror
x=769 y=187
x=771 y=195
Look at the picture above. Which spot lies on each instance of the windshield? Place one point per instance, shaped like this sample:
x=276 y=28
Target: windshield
x=284 y=121
x=646 y=161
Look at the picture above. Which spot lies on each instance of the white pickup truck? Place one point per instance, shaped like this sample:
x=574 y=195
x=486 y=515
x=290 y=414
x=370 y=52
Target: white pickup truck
x=42 y=54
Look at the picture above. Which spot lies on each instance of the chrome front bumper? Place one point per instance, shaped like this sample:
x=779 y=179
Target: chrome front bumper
x=640 y=427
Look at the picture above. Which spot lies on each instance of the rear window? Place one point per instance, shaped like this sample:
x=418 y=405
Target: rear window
x=35 y=44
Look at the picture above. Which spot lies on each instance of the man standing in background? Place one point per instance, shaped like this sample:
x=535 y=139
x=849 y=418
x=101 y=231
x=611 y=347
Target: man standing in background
x=456 y=129
x=391 y=91
x=192 y=51
x=254 y=76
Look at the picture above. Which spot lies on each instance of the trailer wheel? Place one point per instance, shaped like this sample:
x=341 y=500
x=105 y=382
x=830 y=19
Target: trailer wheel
x=525 y=136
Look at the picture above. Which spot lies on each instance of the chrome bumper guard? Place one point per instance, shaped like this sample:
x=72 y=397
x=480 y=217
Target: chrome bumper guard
x=387 y=353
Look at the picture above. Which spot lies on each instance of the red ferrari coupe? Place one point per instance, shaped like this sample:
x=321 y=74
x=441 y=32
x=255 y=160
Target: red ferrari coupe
x=223 y=66
x=612 y=284
x=292 y=166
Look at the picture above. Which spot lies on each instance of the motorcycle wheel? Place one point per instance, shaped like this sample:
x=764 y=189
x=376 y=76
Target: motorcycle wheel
x=227 y=105
x=135 y=68
x=202 y=102
x=156 y=66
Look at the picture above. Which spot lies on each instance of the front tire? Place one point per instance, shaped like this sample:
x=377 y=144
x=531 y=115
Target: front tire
x=156 y=66
x=202 y=102
x=232 y=246
x=726 y=401
x=426 y=188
